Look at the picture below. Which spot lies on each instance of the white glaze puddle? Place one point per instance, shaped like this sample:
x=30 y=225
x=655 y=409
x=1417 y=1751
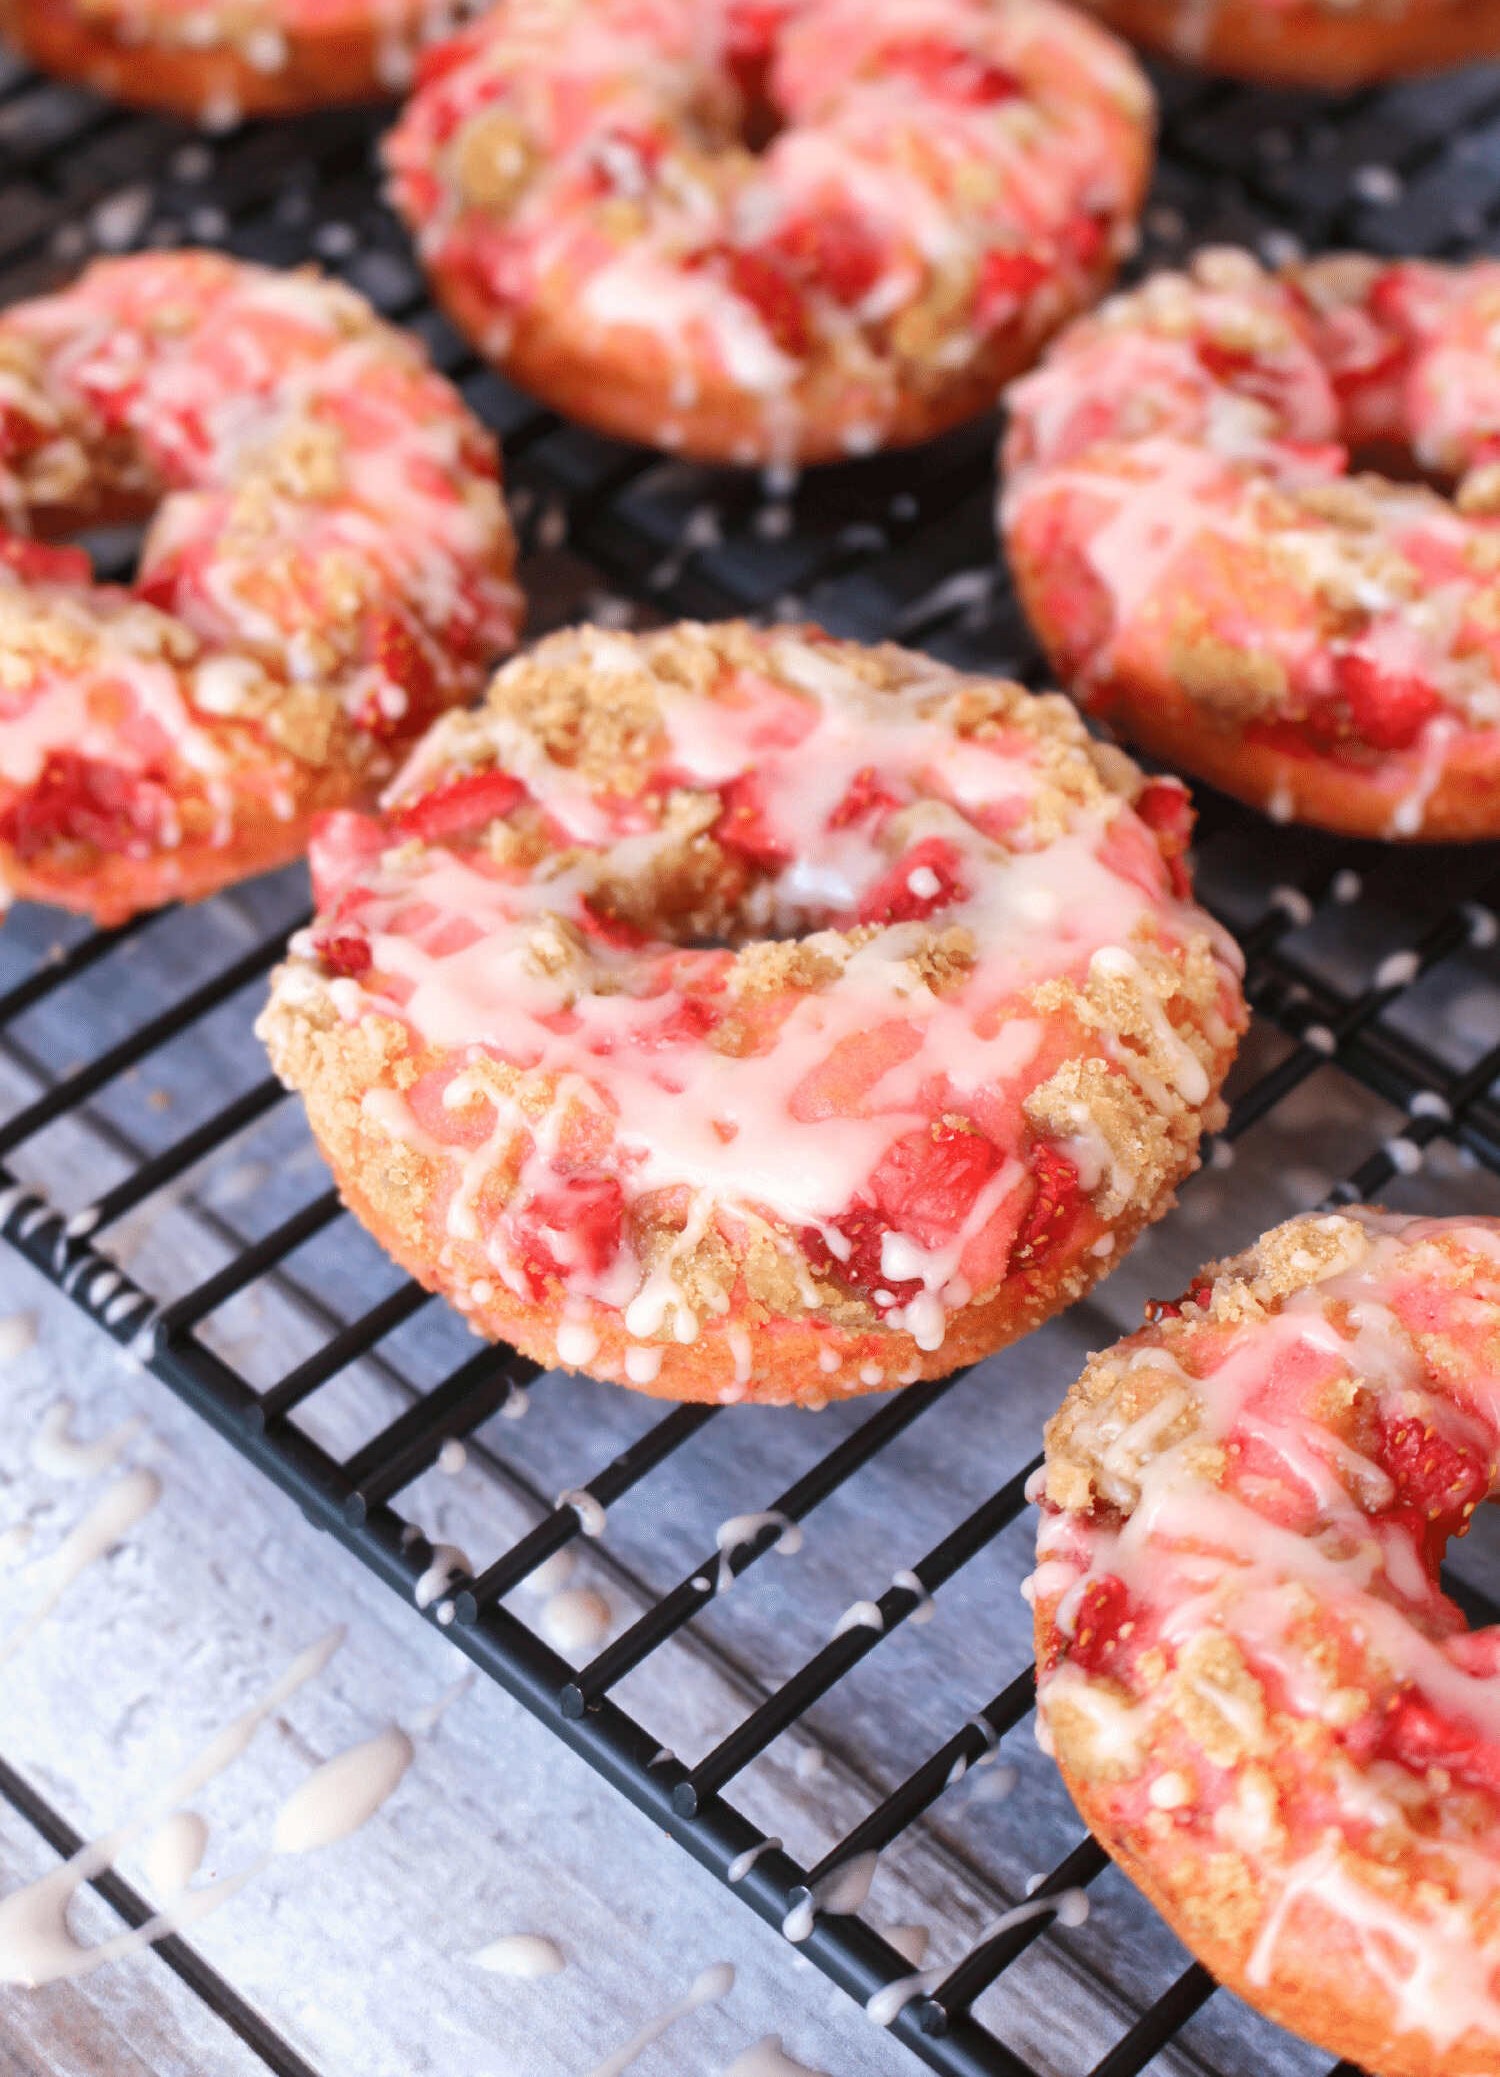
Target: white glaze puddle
x=174 y=1853
x=343 y=1794
x=112 y=1516
x=714 y=1983
x=17 y=1335
x=744 y=1528
x=576 y=1619
x=36 y=1945
x=768 y=2058
x=58 y=1453
x=520 y=1954
x=552 y=1573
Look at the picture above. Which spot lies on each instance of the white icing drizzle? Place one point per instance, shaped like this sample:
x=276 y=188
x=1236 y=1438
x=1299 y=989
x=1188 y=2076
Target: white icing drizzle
x=840 y=1892
x=447 y=1563
x=17 y=1335
x=121 y=1506
x=344 y=1793
x=707 y=1988
x=36 y=1946
x=741 y=1529
x=767 y=2058
x=173 y=1854
x=742 y=1863
x=57 y=1453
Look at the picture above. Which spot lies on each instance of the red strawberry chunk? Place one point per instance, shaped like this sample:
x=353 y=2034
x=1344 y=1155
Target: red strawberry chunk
x=35 y=563
x=610 y=929
x=345 y=952
x=864 y=1229
x=949 y=71
x=398 y=656
x=464 y=804
x=684 y=1024
x=1006 y=279
x=924 y=1189
x=1171 y=1308
x=867 y=795
x=1050 y=1213
x=1438 y=1482
x=1388 y=709
x=77 y=799
x=762 y=282
x=925 y=879
x=1166 y=808
x=573 y=1228
x=1103 y=1627
x=837 y=251
x=1416 y=1734
x=927 y=1182
x=743 y=826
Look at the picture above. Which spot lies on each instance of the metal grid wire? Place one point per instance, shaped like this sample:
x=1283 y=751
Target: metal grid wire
x=1378 y=962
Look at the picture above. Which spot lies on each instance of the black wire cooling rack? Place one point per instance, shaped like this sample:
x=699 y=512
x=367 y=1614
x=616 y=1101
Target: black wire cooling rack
x=1379 y=963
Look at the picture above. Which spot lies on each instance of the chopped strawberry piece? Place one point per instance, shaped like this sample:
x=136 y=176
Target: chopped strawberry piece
x=463 y=805
x=762 y=281
x=1416 y=1734
x=1171 y=1308
x=79 y=800
x=867 y=795
x=1103 y=1626
x=865 y=1230
x=1082 y=238
x=1225 y=362
x=927 y=878
x=343 y=845
x=1166 y=808
x=927 y=1182
x=949 y=71
x=837 y=251
x=688 y=1021
x=1438 y=1482
x=36 y=563
x=923 y=1189
x=1387 y=709
x=614 y=930
x=572 y=1228
x=345 y=952
x=1005 y=280
x=400 y=659
x=743 y=825
x=625 y=157
x=1050 y=1213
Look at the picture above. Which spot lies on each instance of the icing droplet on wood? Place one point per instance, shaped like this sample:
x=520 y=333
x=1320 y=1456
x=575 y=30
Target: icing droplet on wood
x=524 y=1955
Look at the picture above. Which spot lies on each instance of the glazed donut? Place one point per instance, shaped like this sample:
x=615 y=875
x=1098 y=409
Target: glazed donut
x=1258 y=1694
x=215 y=61
x=948 y=180
x=1335 y=45
x=1208 y=576
x=327 y=566
x=746 y=1013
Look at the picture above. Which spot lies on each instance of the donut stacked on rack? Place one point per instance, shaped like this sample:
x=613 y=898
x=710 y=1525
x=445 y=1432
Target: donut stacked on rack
x=1208 y=575
x=942 y=185
x=327 y=566
x=744 y=1013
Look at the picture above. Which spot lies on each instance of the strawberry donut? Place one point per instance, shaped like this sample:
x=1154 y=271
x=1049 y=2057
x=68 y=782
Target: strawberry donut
x=327 y=566
x=1334 y=45
x=1207 y=574
x=214 y=61
x=783 y=231
x=747 y=1013
x=1260 y=1698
